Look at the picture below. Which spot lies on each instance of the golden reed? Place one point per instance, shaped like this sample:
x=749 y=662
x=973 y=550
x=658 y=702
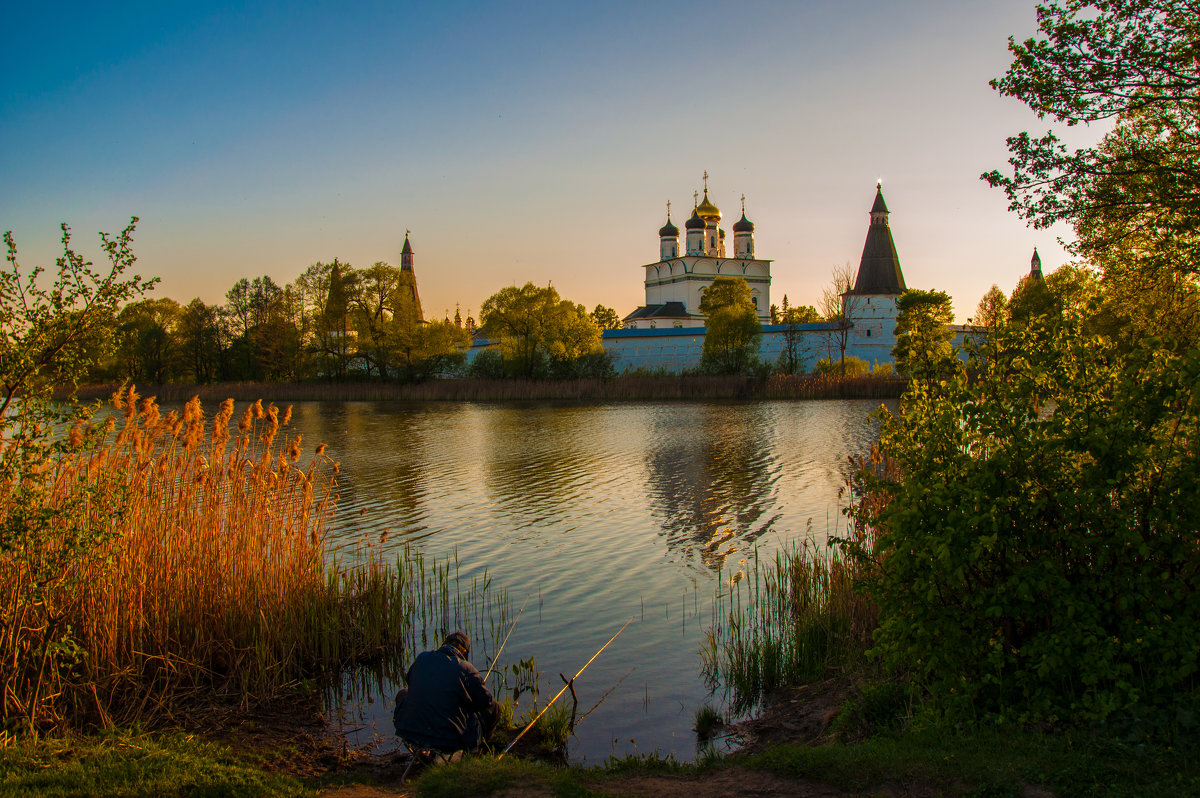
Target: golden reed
x=208 y=582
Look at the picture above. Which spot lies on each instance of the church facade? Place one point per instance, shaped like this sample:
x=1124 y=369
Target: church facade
x=675 y=283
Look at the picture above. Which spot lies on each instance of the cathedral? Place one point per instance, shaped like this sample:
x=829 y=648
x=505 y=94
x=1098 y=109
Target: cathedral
x=676 y=282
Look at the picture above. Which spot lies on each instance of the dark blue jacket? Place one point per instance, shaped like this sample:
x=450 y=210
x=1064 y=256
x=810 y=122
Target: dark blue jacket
x=445 y=694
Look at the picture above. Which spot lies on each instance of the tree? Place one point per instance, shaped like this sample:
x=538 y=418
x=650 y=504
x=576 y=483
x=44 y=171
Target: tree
x=49 y=337
x=733 y=329
x=791 y=359
x=840 y=306
x=605 y=318
x=991 y=311
x=1070 y=293
x=1036 y=560
x=199 y=340
x=535 y=326
x=147 y=335
x=1134 y=198
x=332 y=328
x=923 y=339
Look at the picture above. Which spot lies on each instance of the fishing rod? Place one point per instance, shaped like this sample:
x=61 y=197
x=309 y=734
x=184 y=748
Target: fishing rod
x=560 y=692
x=496 y=658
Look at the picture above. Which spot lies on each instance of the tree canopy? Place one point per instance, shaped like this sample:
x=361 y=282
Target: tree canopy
x=733 y=329
x=538 y=329
x=1133 y=199
x=923 y=338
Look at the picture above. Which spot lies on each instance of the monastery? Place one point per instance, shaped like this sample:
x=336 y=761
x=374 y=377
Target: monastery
x=667 y=333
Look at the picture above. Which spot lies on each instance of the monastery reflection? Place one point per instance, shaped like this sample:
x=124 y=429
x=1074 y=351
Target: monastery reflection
x=712 y=476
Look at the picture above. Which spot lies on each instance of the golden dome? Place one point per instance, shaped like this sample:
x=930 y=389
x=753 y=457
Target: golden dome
x=707 y=211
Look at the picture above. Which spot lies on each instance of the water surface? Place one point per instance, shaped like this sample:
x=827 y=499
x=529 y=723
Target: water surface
x=598 y=514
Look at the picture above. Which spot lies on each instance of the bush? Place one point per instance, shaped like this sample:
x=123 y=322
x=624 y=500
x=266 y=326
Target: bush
x=1037 y=559
x=854 y=367
x=488 y=365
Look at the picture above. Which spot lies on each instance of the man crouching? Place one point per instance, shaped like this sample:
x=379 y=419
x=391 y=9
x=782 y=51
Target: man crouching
x=446 y=706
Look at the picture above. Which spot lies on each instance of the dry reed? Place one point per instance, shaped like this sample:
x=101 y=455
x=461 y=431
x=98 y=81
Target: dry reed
x=630 y=387
x=208 y=582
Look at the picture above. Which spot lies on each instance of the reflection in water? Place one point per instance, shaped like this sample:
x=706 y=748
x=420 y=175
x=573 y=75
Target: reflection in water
x=711 y=475
x=598 y=514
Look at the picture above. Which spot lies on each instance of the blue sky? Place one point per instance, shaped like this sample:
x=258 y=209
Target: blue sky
x=522 y=141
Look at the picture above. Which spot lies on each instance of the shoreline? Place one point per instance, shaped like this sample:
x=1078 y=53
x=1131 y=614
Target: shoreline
x=634 y=388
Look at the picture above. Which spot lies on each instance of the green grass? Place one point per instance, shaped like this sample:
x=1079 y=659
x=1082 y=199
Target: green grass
x=994 y=763
x=987 y=763
x=133 y=764
x=486 y=776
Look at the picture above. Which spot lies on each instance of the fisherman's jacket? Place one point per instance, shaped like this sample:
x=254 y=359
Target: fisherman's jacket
x=445 y=697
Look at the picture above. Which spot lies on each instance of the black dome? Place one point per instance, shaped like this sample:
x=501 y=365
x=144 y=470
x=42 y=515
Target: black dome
x=668 y=230
x=743 y=225
x=695 y=223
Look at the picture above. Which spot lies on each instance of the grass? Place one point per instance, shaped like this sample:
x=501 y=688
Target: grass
x=991 y=762
x=631 y=387
x=988 y=763
x=136 y=764
x=708 y=722
x=791 y=620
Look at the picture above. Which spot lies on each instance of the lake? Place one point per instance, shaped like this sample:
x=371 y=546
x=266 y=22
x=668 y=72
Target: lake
x=591 y=515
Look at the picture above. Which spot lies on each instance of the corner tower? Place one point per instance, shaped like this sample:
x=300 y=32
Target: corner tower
x=870 y=305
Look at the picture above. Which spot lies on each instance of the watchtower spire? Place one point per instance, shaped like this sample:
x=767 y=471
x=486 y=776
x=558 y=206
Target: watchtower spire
x=879 y=270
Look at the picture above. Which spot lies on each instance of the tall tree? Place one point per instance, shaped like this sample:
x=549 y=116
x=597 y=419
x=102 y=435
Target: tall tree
x=841 y=307
x=792 y=357
x=199 y=340
x=923 y=338
x=1134 y=198
x=990 y=313
x=733 y=330
x=147 y=339
x=535 y=325
x=605 y=317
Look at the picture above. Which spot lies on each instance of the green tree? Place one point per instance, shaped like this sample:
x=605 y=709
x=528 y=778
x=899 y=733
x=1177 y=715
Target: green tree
x=146 y=349
x=49 y=337
x=536 y=327
x=605 y=318
x=1036 y=561
x=199 y=342
x=333 y=333
x=792 y=357
x=1133 y=198
x=733 y=330
x=923 y=338
x=992 y=310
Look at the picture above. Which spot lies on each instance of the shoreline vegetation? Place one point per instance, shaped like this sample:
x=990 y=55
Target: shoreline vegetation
x=633 y=388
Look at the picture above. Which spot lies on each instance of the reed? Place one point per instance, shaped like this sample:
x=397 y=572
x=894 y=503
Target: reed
x=207 y=580
x=628 y=387
x=792 y=619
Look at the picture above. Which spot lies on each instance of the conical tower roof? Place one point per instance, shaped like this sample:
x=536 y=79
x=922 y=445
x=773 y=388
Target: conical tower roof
x=879 y=270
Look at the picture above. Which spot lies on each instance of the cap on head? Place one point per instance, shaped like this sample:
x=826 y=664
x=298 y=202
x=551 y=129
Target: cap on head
x=459 y=641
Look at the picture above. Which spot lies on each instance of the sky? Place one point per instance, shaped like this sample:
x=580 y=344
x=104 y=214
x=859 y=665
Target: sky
x=517 y=141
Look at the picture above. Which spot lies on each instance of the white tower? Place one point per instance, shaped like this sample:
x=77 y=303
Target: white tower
x=668 y=238
x=743 y=235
